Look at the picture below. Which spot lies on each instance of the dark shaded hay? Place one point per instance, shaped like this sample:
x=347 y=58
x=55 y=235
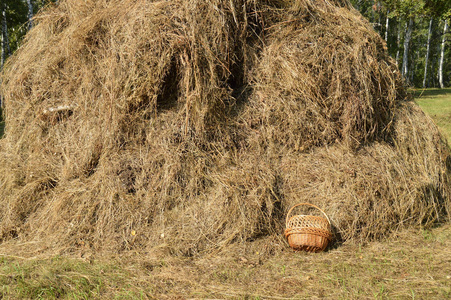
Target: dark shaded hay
x=190 y=125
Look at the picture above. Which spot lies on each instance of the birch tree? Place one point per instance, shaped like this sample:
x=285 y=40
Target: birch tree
x=387 y=23
x=5 y=40
x=30 y=14
x=398 y=43
x=428 y=47
x=442 y=56
x=405 y=58
x=412 y=25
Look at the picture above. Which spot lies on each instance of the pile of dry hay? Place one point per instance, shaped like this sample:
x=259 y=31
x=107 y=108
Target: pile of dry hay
x=195 y=124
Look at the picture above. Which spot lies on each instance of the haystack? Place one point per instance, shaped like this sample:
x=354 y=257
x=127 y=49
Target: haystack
x=194 y=124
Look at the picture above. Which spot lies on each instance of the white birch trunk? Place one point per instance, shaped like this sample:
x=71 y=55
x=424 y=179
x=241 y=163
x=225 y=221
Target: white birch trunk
x=30 y=14
x=379 y=22
x=442 y=56
x=3 y=46
x=5 y=41
x=405 y=58
x=387 y=26
x=426 y=62
x=398 y=42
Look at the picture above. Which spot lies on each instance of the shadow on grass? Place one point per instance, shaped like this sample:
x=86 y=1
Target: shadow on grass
x=418 y=93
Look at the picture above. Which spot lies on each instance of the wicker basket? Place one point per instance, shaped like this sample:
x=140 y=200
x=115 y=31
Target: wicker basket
x=308 y=233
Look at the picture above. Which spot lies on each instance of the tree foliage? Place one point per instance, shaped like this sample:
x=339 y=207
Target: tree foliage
x=399 y=13
x=16 y=13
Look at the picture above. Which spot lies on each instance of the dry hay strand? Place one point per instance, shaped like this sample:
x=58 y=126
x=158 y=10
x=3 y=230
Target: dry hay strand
x=189 y=125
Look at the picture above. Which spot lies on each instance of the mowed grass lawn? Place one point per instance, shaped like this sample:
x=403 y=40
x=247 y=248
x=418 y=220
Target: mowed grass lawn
x=413 y=264
x=437 y=104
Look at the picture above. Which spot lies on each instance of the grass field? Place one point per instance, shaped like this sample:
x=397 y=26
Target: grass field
x=414 y=264
x=437 y=104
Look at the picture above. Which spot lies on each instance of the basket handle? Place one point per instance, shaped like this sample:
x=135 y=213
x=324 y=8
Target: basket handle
x=308 y=204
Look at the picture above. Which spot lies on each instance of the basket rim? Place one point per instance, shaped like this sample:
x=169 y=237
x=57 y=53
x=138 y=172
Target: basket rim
x=317 y=220
x=308 y=204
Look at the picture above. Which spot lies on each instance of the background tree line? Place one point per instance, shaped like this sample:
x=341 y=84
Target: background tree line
x=417 y=36
x=16 y=18
x=416 y=32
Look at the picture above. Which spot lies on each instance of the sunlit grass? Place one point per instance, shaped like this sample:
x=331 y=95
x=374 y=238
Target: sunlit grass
x=412 y=265
x=437 y=104
x=65 y=278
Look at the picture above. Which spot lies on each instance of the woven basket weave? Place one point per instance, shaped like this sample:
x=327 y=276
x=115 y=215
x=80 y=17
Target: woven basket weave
x=306 y=232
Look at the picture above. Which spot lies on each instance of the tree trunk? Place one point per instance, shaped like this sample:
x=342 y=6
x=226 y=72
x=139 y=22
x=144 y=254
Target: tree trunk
x=6 y=51
x=3 y=45
x=379 y=22
x=387 y=26
x=405 y=58
x=442 y=56
x=427 y=54
x=30 y=14
x=398 y=43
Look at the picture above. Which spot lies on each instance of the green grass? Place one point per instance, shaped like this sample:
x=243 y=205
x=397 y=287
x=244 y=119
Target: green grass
x=65 y=278
x=412 y=265
x=437 y=104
